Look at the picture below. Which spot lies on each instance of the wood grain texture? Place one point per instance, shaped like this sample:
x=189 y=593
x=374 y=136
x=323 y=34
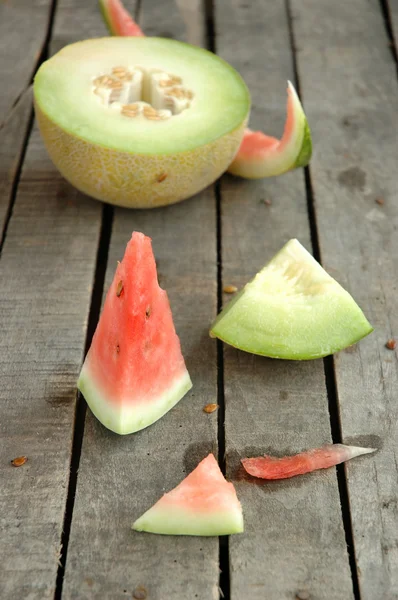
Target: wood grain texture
x=350 y=92
x=294 y=540
x=23 y=31
x=46 y=272
x=121 y=477
x=12 y=142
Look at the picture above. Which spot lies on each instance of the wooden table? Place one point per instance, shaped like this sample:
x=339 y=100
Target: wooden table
x=66 y=514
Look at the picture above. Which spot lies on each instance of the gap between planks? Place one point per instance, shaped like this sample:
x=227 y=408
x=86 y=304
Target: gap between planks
x=81 y=405
x=388 y=24
x=328 y=361
x=224 y=581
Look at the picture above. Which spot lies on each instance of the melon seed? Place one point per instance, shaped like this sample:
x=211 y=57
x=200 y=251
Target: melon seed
x=148 y=312
x=119 y=288
x=140 y=593
x=230 y=289
x=161 y=177
x=379 y=201
x=391 y=344
x=210 y=408
x=19 y=461
x=117 y=348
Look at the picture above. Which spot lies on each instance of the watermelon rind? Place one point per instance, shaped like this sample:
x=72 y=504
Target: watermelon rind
x=175 y=521
x=204 y=503
x=292 y=309
x=293 y=151
x=134 y=416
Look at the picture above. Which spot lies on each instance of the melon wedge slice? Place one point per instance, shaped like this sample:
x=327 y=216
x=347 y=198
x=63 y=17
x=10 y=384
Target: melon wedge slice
x=261 y=155
x=134 y=371
x=118 y=20
x=292 y=309
x=204 y=503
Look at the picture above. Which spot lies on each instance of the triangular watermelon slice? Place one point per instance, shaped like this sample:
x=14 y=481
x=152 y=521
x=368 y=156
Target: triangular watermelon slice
x=134 y=371
x=204 y=503
x=118 y=20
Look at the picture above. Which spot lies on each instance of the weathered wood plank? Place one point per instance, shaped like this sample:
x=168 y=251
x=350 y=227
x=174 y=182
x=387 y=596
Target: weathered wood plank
x=119 y=478
x=294 y=540
x=12 y=142
x=350 y=90
x=23 y=31
x=46 y=271
x=46 y=274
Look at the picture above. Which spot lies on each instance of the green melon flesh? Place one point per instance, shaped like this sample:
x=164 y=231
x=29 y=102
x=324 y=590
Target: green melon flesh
x=292 y=309
x=203 y=504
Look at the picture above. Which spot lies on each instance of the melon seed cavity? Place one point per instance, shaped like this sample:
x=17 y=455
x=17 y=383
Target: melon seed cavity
x=133 y=92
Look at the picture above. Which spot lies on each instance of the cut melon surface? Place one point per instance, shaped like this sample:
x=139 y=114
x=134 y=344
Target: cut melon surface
x=203 y=504
x=261 y=155
x=140 y=121
x=292 y=309
x=134 y=371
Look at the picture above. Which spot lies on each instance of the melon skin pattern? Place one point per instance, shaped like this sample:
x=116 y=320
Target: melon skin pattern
x=153 y=144
x=134 y=371
x=262 y=156
x=292 y=309
x=203 y=504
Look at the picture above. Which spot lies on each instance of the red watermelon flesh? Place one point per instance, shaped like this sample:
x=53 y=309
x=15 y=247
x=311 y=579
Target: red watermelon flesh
x=134 y=371
x=204 y=503
x=118 y=20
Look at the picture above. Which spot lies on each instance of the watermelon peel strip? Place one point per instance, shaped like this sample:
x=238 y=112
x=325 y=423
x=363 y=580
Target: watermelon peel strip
x=269 y=467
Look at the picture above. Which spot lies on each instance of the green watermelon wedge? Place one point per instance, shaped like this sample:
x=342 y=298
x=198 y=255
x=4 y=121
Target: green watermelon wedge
x=204 y=503
x=118 y=20
x=261 y=155
x=134 y=371
x=292 y=309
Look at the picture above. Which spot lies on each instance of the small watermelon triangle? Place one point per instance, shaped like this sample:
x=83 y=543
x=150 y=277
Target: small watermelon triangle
x=204 y=503
x=134 y=371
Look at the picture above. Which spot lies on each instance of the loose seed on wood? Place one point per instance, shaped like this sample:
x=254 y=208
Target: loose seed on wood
x=230 y=289
x=140 y=593
x=391 y=344
x=19 y=461
x=210 y=408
